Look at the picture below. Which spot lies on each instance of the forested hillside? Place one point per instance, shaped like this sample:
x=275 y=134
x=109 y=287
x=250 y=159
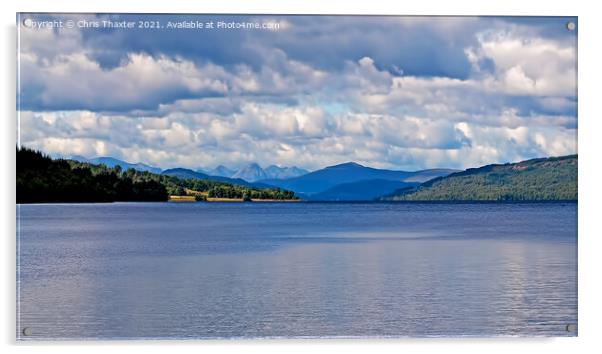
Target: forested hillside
x=552 y=178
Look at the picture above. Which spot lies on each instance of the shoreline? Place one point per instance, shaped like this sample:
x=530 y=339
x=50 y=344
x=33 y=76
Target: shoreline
x=192 y=199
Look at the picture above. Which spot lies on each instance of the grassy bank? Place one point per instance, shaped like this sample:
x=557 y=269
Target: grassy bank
x=192 y=198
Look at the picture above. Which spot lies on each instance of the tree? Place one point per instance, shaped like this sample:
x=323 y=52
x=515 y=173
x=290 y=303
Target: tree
x=180 y=191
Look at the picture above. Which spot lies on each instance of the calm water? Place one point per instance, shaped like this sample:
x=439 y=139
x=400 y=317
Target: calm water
x=206 y=270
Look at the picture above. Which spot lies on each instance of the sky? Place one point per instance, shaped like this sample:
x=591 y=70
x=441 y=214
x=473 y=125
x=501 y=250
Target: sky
x=403 y=93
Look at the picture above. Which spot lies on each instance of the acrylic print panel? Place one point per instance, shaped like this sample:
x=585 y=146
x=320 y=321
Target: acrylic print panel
x=242 y=176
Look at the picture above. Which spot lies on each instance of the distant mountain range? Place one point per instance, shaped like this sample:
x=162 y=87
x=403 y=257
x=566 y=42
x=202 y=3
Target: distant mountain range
x=314 y=183
x=344 y=182
x=537 y=179
x=553 y=178
x=253 y=172
x=112 y=162
x=249 y=173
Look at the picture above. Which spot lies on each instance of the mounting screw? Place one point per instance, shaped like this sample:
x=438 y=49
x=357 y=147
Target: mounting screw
x=571 y=327
x=27 y=331
x=570 y=25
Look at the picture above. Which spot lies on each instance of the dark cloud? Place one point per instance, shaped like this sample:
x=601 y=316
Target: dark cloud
x=415 y=45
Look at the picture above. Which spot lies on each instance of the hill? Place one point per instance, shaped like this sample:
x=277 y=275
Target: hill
x=553 y=178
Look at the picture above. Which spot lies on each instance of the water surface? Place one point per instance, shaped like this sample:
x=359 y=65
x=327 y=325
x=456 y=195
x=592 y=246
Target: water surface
x=214 y=270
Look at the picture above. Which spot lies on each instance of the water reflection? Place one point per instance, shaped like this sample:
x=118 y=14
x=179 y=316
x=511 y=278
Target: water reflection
x=132 y=280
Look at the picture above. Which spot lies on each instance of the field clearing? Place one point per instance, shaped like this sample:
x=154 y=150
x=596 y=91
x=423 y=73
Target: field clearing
x=193 y=192
x=181 y=198
x=224 y=199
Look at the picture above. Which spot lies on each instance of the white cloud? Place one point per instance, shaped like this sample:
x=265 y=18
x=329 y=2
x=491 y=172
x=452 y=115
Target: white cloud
x=526 y=65
x=379 y=141
x=74 y=80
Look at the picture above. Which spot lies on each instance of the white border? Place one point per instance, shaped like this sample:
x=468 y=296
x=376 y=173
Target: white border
x=589 y=172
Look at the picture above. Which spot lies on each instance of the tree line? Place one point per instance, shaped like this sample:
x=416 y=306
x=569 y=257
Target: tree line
x=41 y=179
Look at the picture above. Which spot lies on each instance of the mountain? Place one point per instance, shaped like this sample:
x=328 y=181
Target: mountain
x=363 y=190
x=321 y=180
x=553 y=178
x=277 y=172
x=222 y=171
x=185 y=173
x=112 y=162
x=251 y=173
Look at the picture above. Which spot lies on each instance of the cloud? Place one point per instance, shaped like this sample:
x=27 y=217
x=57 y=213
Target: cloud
x=380 y=141
x=526 y=66
x=75 y=82
x=390 y=92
